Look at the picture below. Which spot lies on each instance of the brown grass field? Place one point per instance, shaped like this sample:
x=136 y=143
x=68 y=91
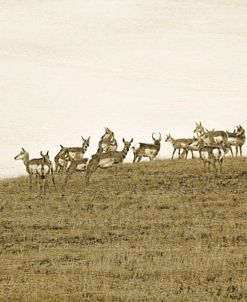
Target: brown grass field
x=160 y=231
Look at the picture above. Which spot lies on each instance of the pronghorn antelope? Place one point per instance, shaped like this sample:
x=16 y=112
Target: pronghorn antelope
x=193 y=147
x=44 y=169
x=147 y=150
x=181 y=143
x=69 y=154
x=237 y=139
x=210 y=154
x=61 y=160
x=32 y=165
x=106 y=159
x=76 y=159
x=211 y=137
x=107 y=142
x=78 y=165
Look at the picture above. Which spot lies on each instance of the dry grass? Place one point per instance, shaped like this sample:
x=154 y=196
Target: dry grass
x=161 y=231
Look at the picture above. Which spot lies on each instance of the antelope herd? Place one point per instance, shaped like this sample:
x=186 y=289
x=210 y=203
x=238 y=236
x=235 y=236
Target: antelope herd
x=211 y=145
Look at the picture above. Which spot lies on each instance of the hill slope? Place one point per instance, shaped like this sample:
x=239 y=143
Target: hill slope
x=160 y=231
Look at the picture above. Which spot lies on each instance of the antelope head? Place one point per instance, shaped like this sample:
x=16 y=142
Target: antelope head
x=199 y=128
x=21 y=155
x=85 y=143
x=127 y=144
x=156 y=140
x=45 y=157
x=168 y=138
x=240 y=131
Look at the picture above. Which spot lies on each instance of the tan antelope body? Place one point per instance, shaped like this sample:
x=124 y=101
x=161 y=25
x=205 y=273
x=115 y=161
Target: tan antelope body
x=76 y=160
x=212 y=154
x=68 y=154
x=105 y=160
x=193 y=147
x=33 y=166
x=147 y=150
x=180 y=144
x=61 y=160
x=210 y=137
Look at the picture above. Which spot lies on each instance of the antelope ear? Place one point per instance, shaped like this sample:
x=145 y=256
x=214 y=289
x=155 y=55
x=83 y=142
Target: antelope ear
x=89 y=138
x=82 y=138
x=47 y=153
x=23 y=149
x=61 y=146
x=132 y=140
x=123 y=140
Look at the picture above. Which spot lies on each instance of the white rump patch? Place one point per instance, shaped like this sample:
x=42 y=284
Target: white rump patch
x=43 y=171
x=216 y=153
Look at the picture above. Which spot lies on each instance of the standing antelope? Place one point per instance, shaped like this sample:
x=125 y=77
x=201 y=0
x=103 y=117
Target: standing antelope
x=61 y=160
x=107 y=142
x=181 y=143
x=147 y=150
x=211 y=154
x=210 y=137
x=44 y=169
x=107 y=159
x=76 y=159
x=69 y=154
x=32 y=165
x=237 y=139
x=192 y=148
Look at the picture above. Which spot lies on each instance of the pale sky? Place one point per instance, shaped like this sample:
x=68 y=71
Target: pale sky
x=70 y=68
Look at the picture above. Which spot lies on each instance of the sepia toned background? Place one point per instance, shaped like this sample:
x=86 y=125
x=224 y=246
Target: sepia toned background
x=70 y=68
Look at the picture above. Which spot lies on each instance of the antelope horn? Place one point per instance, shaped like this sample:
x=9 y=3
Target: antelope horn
x=159 y=136
x=153 y=136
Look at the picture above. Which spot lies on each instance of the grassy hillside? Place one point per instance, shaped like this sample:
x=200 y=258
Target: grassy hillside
x=161 y=231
